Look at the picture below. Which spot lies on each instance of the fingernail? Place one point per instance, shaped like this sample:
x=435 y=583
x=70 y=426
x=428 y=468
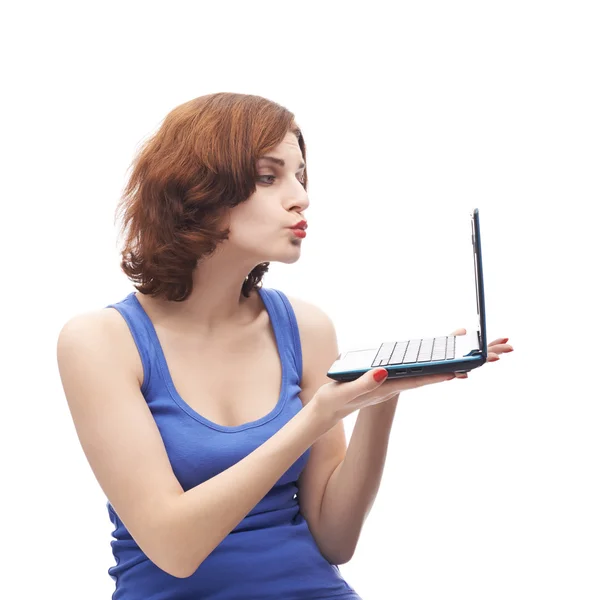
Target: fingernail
x=510 y=349
x=379 y=376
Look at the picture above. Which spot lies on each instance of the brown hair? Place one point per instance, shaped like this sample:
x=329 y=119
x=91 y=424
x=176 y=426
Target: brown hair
x=198 y=165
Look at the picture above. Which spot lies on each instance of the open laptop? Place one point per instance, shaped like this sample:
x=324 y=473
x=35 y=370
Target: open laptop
x=415 y=357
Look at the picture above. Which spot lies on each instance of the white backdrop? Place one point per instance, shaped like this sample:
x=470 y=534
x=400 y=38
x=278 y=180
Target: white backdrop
x=413 y=114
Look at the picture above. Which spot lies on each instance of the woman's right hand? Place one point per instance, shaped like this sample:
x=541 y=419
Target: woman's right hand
x=337 y=400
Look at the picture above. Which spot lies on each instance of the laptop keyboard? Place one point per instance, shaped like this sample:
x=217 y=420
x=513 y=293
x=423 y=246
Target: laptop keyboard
x=415 y=351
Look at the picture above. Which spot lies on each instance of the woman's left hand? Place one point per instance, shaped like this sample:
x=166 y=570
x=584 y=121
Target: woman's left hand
x=495 y=349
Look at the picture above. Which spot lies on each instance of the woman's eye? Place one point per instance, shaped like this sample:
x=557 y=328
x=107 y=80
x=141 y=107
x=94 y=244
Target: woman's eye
x=273 y=176
x=262 y=176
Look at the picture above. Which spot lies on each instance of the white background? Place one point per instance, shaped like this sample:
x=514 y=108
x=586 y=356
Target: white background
x=413 y=114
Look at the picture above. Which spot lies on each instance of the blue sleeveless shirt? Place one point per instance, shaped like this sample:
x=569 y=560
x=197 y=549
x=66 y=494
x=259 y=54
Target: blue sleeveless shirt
x=271 y=553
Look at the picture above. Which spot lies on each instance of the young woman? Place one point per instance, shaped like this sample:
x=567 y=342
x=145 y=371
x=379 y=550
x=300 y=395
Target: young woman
x=201 y=400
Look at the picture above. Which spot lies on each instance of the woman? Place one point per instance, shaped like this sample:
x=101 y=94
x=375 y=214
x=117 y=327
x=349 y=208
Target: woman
x=201 y=401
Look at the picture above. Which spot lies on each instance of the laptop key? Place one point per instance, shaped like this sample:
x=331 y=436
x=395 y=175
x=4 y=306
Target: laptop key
x=425 y=350
x=412 y=351
x=451 y=348
x=399 y=352
x=439 y=348
x=383 y=356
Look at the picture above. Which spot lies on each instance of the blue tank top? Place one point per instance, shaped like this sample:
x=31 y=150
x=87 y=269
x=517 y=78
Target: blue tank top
x=271 y=554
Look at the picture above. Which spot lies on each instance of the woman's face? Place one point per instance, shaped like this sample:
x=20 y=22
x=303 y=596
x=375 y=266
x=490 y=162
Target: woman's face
x=260 y=225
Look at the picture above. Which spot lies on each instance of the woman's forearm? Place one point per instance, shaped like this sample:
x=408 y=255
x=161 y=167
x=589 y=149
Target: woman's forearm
x=203 y=516
x=353 y=485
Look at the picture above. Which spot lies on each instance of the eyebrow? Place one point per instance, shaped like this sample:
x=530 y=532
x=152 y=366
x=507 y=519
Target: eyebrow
x=280 y=161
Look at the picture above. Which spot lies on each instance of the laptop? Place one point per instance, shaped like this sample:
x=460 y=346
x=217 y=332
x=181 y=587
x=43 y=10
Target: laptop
x=424 y=356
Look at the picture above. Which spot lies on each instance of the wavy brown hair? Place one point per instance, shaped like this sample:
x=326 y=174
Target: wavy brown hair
x=199 y=164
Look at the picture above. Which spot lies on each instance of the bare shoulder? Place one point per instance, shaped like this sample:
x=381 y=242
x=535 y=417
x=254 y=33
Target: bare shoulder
x=104 y=327
x=318 y=340
x=310 y=314
x=313 y=321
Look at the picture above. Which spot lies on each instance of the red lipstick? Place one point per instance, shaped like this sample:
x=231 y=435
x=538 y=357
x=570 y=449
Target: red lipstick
x=299 y=229
x=300 y=225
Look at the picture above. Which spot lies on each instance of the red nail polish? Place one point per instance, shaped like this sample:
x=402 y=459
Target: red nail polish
x=379 y=376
